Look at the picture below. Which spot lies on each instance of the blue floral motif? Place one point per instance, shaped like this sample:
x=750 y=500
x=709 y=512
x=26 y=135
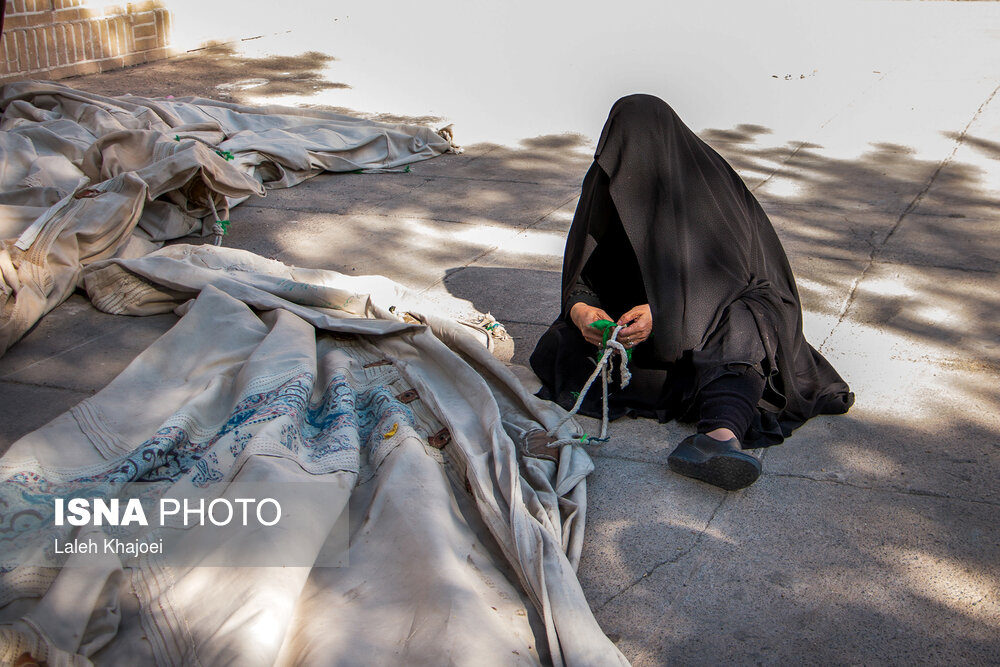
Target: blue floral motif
x=340 y=421
x=240 y=440
x=289 y=438
x=205 y=475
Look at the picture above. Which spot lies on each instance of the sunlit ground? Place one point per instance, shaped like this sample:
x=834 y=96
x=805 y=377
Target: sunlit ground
x=507 y=71
x=864 y=129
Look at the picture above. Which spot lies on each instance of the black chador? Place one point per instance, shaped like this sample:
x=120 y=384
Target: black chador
x=664 y=220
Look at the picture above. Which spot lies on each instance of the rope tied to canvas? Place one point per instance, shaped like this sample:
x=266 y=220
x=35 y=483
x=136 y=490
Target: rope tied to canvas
x=220 y=227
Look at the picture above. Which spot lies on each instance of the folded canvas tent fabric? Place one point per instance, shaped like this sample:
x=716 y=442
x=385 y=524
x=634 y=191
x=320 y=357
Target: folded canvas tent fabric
x=288 y=378
x=85 y=177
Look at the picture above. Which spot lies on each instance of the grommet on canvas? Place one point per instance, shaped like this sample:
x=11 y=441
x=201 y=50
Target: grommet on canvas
x=407 y=396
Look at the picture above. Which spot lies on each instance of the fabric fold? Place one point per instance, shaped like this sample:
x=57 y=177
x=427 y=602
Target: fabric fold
x=462 y=550
x=181 y=164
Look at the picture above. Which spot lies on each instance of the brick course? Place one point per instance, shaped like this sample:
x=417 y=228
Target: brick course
x=53 y=39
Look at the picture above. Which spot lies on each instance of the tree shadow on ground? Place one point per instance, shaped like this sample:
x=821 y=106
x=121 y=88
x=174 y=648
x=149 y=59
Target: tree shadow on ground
x=912 y=537
x=216 y=72
x=219 y=72
x=931 y=251
x=889 y=557
x=852 y=572
x=916 y=243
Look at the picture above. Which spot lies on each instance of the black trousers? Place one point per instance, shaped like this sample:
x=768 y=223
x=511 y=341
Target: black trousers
x=730 y=401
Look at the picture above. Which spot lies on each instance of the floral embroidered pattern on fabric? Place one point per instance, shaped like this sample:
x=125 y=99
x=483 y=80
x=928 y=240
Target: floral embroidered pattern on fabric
x=340 y=423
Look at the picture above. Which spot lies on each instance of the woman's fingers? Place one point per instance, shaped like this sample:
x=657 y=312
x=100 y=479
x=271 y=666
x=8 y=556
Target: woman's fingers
x=593 y=334
x=636 y=315
x=638 y=323
x=583 y=316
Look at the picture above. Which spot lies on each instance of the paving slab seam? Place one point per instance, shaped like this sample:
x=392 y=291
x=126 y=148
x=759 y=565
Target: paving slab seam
x=470 y=158
x=7 y=377
x=617 y=457
x=368 y=209
x=486 y=252
x=781 y=204
x=408 y=216
x=959 y=140
x=983 y=365
x=781 y=165
x=953 y=216
x=892 y=489
x=558 y=208
x=811 y=478
x=515 y=181
x=946 y=267
x=440 y=281
x=370 y=213
x=19 y=383
x=629 y=459
x=676 y=558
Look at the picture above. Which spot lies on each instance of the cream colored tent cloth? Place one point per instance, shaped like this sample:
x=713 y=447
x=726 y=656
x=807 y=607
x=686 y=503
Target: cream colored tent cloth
x=85 y=177
x=464 y=555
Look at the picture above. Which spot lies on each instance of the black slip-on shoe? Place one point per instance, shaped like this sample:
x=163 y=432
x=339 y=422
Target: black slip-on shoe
x=720 y=463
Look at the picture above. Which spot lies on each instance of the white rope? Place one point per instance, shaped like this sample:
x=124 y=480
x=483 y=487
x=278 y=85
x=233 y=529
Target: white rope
x=612 y=348
x=217 y=229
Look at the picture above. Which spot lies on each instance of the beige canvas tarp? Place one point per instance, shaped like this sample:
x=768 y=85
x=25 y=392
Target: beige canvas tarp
x=85 y=177
x=275 y=375
x=343 y=397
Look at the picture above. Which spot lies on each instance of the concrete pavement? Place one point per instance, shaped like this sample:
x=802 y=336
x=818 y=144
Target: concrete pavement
x=871 y=537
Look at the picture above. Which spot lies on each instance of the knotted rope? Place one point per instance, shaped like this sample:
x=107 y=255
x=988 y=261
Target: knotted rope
x=611 y=349
x=219 y=227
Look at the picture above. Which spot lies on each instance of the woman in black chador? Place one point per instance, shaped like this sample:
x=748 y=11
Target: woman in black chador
x=668 y=242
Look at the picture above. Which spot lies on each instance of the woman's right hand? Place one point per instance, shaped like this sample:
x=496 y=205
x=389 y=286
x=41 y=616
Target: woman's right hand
x=583 y=316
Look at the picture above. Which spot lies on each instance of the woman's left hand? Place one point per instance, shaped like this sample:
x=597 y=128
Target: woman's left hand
x=638 y=323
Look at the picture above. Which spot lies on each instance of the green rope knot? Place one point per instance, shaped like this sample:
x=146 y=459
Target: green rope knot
x=607 y=327
x=226 y=155
x=224 y=224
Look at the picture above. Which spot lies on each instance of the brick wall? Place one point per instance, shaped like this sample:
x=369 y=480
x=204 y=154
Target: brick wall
x=52 y=39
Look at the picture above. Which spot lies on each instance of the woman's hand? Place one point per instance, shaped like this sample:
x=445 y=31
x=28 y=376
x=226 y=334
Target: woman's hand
x=638 y=323
x=583 y=316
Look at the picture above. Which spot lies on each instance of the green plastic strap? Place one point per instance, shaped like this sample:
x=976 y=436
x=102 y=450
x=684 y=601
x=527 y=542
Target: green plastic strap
x=225 y=225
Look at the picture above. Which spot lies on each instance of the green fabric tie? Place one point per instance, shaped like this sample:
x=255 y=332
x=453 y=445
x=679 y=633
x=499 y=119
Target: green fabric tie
x=607 y=327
